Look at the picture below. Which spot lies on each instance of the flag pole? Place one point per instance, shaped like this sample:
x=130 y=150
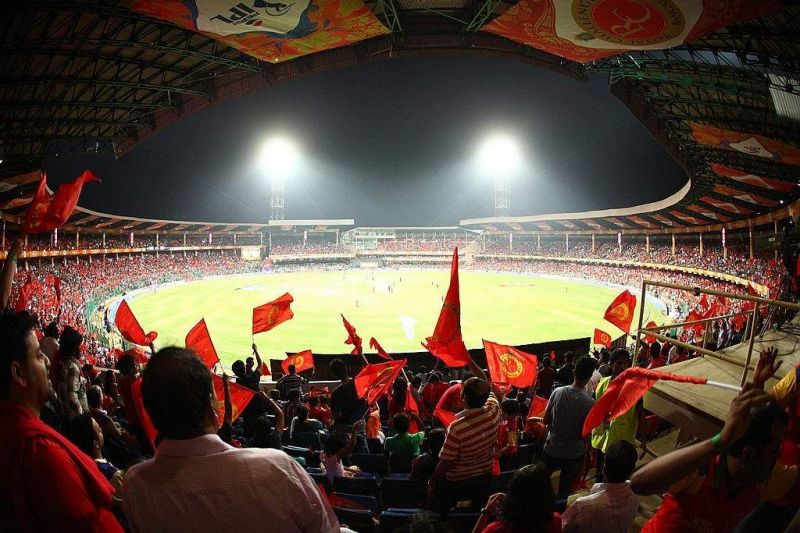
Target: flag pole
x=723 y=385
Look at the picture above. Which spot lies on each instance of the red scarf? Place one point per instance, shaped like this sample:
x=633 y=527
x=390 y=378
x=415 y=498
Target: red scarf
x=18 y=426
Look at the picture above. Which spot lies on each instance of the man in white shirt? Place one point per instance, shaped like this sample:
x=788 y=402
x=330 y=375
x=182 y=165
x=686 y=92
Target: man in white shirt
x=196 y=482
x=610 y=507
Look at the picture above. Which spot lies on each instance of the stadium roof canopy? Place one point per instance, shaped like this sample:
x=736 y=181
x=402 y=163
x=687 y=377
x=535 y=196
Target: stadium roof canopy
x=724 y=98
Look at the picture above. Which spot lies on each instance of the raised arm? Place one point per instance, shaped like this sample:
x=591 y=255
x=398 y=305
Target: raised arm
x=228 y=406
x=7 y=275
x=476 y=370
x=276 y=410
x=258 y=358
x=659 y=475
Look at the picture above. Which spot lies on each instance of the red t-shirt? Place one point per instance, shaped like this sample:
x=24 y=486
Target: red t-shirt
x=702 y=503
x=451 y=399
x=432 y=392
x=323 y=414
x=553 y=526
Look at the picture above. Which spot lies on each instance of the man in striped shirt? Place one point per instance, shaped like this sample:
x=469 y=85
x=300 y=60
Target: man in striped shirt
x=465 y=462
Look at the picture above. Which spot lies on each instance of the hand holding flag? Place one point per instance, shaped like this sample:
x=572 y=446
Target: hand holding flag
x=129 y=327
x=446 y=343
x=352 y=337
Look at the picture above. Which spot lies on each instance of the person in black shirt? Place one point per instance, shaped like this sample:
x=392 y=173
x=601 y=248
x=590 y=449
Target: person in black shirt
x=566 y=374
x=347 y=408
x=289 y=382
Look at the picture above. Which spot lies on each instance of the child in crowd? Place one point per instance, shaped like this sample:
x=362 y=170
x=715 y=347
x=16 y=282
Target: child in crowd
x=507 y=433
x=338 y=446
x=403 y=445
x=319 y=410
x=423 y=466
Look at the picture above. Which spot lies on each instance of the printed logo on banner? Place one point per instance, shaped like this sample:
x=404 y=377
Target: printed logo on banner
x=632 y=24
x=751 y=146
x=278 y=19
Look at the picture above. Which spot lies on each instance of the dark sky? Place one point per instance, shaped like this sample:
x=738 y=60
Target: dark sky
x=391 y=144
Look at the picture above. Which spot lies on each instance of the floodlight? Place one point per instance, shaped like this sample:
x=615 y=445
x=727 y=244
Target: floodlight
x=500 y=156
x=278 y=157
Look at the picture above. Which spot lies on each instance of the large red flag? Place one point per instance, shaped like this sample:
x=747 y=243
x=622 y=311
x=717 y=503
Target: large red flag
x=352 y=337
x=446 y=342
x=375 y=380
x=601 y=337
x=620 y=312
x=27 y=291
x=48 y=212
x=240 y=397
x=412 y=406
x=381 y=352
x=509 y=365
x=199 y=340
x=129 y=327
x=269 y=315
x=301 y=360
x=627 y=389
x=138 y=404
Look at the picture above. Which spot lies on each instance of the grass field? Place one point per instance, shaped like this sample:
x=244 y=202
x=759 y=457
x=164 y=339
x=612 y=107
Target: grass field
x=507 y=308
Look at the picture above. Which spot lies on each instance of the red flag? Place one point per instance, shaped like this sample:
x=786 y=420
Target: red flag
x=627 y=389
x=139 y=355
x=445 y=417
x=375 y=380
x=269 y=315
x=301 y=360
x=381 y=352
x=649 y=338
x=352 y=337
x=264 y=369
x=129 y=327
x=48 y=212
x=620 y=312
x=509 y=365
x=240 y=397
x=199 y=340
x=446 y=342
x=54 y=282
x=138 y=403
x=27 y=291
x=538 y=406
x=601 y=337
x=412 y=407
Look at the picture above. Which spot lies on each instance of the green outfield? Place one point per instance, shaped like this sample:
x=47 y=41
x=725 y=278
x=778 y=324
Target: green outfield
x=389 y=305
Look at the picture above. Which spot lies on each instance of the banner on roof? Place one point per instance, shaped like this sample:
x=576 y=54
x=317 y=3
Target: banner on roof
x=746 y=143
x=708 y=213
x=271 y=31
x=743 y=195
x=751 y=179
x=727 y=206
x=586 y=30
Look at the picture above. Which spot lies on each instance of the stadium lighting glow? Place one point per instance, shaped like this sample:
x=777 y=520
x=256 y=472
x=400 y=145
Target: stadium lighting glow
x=278 y=157
x=500 y=157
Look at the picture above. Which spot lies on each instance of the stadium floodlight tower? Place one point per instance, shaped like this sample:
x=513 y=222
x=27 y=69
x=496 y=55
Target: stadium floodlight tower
x=500 y=158
x=279 y=159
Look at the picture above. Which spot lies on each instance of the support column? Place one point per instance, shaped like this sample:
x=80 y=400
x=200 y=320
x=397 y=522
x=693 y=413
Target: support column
x=647 y=243
x=724 y=245
x=77 y=240
x=593 y=247
x=156 y=244
x=538 y=241
x=619 y=241
x=234 y=238
x=701 y=245
x=261 y=238
x=566 y=241
x=55 y=239
x=673 y=245
x=104 y=240
x=511 y=243
x=776 y=235
x=337 y=237
x=184 y=238
x=750 y=232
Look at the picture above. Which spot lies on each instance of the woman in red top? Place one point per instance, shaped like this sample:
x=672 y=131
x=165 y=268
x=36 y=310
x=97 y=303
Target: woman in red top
x=528 y=506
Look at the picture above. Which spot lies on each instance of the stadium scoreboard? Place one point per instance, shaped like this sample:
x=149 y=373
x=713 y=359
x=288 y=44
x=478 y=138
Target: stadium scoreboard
x=251 y=253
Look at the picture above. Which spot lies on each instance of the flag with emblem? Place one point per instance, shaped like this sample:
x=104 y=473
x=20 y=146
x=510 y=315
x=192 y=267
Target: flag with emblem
x=269 y=315
x=352 y=337
x=301 y=360
x=375 y=380
x=381 y=352
x=129 y=327
x=589 y=30
x=199 y=341
x=620 y=312
x=510 y=365
x=46 y=211
x=446 y=342
x=240 y=397
x=601 y=337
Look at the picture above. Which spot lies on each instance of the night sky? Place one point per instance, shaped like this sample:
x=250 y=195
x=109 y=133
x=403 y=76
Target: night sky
x=391 y=144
